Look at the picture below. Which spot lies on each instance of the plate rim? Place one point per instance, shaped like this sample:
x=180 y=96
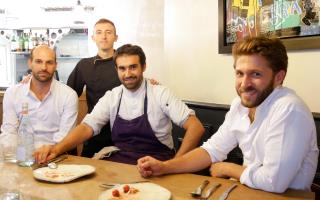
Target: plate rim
x=36 y=173
x=121 y=185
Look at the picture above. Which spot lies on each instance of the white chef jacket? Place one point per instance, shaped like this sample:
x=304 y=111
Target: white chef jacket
x=163 y=107
x=51 y=119
x=279 y=148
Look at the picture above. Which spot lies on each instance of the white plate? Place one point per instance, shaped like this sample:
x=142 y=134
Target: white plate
x=64 y=173
x=146 y=191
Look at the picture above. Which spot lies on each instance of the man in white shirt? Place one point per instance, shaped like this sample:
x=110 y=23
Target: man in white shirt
x=273 y=127
x=52 y=106
x=140 y=115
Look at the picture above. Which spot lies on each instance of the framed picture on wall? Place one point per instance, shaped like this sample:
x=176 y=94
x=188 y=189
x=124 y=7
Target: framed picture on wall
x=295 y=22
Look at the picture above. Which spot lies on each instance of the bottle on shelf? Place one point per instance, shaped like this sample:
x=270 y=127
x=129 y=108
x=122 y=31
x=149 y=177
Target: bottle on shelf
x=25 y=146
x=35 y=40
x=14 y=44
x=40 y=39
x=21 y=43
x=26 y=42
x=31 y=38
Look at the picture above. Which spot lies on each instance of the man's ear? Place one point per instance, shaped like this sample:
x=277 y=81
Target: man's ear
x=279 y=78
x=29 y=64
x=144 y=67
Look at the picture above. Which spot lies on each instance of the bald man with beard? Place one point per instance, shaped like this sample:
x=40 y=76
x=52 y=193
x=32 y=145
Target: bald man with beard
x=53 y=106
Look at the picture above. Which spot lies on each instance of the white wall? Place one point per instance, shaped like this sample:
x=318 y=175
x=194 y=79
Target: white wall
x=138 y=22
x=180 y=39
x=197 y=72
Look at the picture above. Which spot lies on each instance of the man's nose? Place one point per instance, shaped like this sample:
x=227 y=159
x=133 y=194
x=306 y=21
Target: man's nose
x=127 y=73
x=44 y=66
x=246 y=81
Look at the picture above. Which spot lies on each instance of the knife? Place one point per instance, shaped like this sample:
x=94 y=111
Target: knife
x=211 y=190
x=225 y=194
x=56 y=159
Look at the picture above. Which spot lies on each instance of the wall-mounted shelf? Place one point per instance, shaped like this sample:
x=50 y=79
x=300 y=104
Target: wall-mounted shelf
x=25 y=53
x=69 y=57
x=20 y=52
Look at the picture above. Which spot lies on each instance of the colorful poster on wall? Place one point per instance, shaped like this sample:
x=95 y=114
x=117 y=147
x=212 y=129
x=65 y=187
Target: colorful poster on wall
x=280 y=18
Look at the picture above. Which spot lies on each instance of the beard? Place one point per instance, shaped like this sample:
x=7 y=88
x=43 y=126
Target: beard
x=261 y=95
x=42 y=78
x=133 y=84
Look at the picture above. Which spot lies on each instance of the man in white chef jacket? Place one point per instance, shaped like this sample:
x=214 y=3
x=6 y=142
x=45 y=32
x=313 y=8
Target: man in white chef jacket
x=140 y=115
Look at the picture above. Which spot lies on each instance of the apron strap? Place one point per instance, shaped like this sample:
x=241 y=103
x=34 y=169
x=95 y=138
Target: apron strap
x=145 y=106
x=119 y=102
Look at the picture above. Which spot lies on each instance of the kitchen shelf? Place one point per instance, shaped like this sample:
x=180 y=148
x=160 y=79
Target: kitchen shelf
x=69 y=57
x=25 y=53
x=21 y=52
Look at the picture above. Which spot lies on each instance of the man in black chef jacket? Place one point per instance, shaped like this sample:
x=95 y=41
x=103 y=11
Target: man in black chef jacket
x=97 y=74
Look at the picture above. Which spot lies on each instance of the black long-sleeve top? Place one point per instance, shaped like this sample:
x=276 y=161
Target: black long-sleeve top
x=98 y=75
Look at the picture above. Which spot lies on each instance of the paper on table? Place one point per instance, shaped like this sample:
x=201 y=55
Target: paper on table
x=105 y=152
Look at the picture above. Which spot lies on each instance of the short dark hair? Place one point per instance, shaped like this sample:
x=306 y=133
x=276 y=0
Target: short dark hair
x=272 y=49
x=106 y=21
x=129 y=49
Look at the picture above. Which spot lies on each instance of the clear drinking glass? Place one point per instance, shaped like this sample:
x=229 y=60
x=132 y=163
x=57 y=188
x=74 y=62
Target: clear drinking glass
x=1 y=154
x=9 y=148
x=9 y=184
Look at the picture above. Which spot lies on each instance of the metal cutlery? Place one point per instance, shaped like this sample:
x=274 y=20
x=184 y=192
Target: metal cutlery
x=210 y=191
x=49 y=162
x=111 y=185
x=52 y=165
x=225 y=194
x=197 y=193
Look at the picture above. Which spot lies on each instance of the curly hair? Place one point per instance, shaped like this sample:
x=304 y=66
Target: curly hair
x=272 y=49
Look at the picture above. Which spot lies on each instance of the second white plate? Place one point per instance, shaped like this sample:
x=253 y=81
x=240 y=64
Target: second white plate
x=145 y=191
x=64 y=173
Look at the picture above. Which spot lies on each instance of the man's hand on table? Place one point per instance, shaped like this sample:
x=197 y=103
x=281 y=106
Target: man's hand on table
x=149 y=166
x=45 y=153
x=226 y=170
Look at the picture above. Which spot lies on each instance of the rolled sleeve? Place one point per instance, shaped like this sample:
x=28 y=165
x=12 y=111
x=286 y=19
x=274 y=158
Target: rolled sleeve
x=221 y=143
x=90 y=121
x=100 y=114
x=247 y=175
x=173 y=107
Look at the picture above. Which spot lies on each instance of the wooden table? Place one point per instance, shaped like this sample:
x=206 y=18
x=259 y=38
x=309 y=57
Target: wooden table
x=88 y=188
